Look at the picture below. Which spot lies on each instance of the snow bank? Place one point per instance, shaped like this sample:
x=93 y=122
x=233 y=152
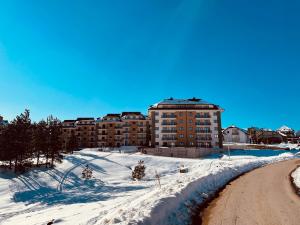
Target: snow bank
x=296 y=177
x=112 y=197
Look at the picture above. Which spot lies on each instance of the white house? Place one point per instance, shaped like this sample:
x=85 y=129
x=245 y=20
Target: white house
x=236 y=135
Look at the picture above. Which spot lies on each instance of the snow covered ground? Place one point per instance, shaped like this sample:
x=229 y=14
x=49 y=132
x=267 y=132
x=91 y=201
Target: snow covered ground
x=112 y=197
x=296 y=177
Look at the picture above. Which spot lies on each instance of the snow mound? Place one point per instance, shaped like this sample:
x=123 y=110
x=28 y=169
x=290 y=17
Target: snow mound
x=296 y=177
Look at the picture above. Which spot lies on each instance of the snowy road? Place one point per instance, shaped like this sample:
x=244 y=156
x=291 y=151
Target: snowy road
x=264 y=197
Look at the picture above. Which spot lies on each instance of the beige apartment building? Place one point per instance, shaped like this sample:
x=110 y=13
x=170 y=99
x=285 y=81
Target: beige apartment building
x=186 y=123
x=68 y=129
x=126 y=129
x=83 y=128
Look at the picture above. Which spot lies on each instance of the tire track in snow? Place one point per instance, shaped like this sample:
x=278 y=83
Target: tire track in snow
x=66 y=174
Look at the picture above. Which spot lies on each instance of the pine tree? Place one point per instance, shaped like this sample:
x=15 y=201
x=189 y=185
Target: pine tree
x=72 y=143
x=139 y=171
x=55 y=142
x=21 y=126
x=40 y=138
x=87 y=173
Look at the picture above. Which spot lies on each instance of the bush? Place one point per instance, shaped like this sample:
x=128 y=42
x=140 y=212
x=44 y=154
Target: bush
x=139 y=171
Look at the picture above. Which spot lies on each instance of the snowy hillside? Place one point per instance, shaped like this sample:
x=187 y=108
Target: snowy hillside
x=111 y=196
x=296 y=177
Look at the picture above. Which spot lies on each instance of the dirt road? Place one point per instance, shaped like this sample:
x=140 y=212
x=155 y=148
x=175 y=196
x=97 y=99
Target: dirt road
x=262 y=197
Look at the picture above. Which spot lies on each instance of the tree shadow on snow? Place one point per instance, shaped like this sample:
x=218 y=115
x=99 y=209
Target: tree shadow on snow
x=75 y=191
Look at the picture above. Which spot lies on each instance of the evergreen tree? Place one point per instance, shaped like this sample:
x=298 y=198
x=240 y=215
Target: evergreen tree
x=40 y=139
x=21 y=126
x=139 y=171
x=72 y=143
x=55 y=142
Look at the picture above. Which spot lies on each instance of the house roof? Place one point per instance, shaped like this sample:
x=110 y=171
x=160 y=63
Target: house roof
x=285 y=129
x=85 y=118
x=130 y=113
x=233 y=126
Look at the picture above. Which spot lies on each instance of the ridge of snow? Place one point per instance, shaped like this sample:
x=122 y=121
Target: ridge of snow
x=296 y=177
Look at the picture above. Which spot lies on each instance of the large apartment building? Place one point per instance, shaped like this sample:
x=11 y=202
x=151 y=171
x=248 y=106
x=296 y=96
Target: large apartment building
x=186 y=123
x=83 y=128
x=126 y=129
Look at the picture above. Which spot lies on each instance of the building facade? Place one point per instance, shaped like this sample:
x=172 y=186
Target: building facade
x=235 y=134
x=83 y=128
x=68 y=129
x=186 y=123
x=126 y=129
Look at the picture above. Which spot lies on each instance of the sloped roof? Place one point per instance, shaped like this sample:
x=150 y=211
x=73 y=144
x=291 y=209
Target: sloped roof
x=285 y=129
x=233 y=126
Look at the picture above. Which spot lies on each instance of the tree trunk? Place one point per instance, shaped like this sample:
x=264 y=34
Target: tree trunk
x=37 y=160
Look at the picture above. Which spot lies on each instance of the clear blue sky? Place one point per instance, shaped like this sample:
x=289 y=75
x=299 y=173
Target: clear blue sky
x=88 y=58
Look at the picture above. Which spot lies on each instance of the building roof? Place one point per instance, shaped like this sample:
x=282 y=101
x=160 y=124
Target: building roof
x=131 y=113
x=113 y=114
x=69 y=121
x=188 y=102
x=285 y=129
x=174 y=101
x=85 y=118
x=232 y=126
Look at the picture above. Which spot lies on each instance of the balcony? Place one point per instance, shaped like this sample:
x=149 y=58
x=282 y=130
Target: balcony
x=203 y=124
x=169 y=131
x=203 y=116
x=203 y=131
x=169 y=124
x=204 y=139
x=169 y=139
x=168 y=116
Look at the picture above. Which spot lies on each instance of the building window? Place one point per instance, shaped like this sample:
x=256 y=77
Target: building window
x=181 y=135
x=157 y=135
x=180 y=121
x=156 y=113
x=180 y=114
x=181 y=128
x=191 y=136
x=156 y=128
x=190 y=128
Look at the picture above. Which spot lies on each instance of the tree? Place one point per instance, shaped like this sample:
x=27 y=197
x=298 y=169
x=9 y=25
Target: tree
x=139 y=171
x=40 y=139
x=55 y=142
x=21 y=126
x=72 y=143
